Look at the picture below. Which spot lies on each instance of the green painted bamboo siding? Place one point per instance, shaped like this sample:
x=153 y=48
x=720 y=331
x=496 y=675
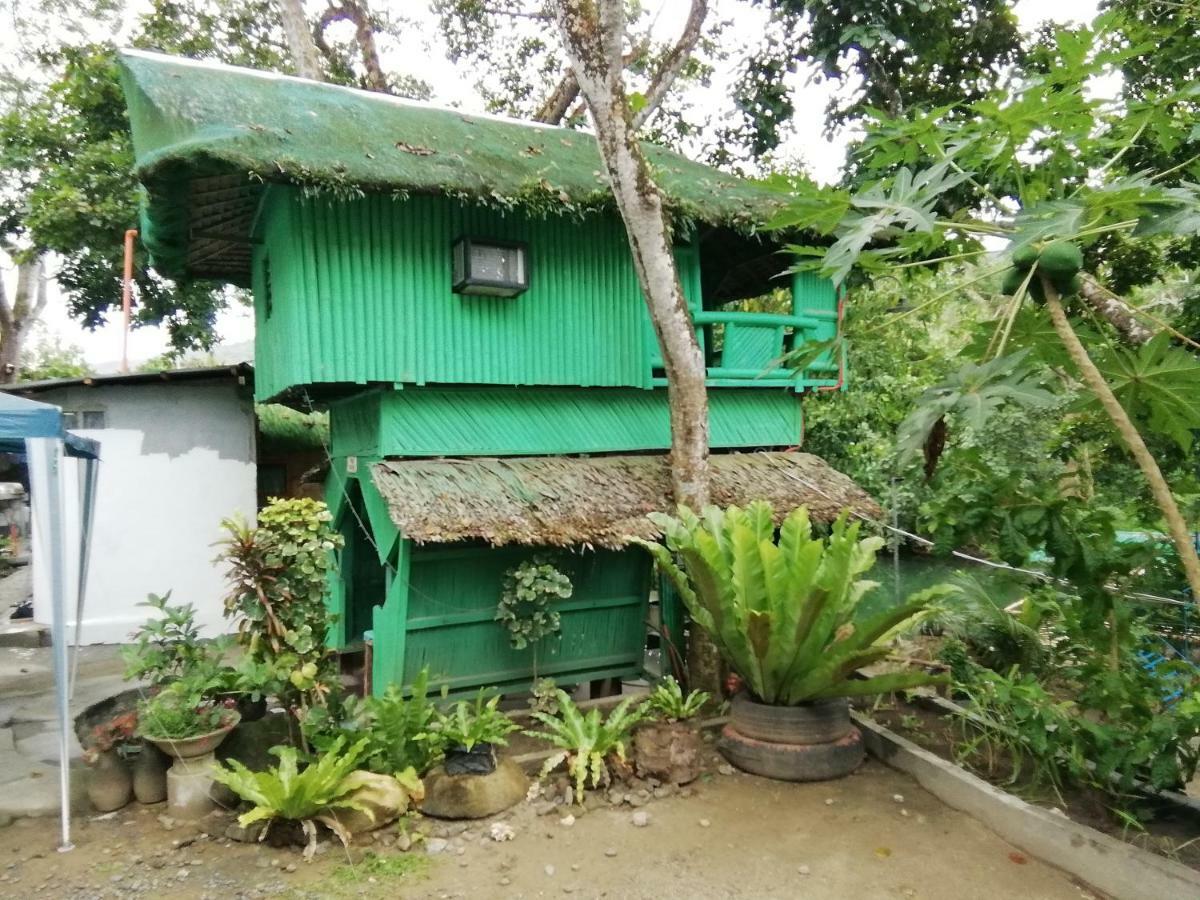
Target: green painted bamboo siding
x=505 y=421
x=359 y=291
x=451 y=625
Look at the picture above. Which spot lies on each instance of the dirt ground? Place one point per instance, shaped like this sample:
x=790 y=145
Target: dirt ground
x=874 y=834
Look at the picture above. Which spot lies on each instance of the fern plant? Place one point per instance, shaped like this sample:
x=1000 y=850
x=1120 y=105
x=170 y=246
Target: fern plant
x=783 y=611
x=398 y=730
x=467 y=724
x=587 y=743
x=670 y=703
x=305 y=796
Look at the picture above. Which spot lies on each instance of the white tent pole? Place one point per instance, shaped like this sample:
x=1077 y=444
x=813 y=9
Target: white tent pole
x=45 y=473
x=87 y=503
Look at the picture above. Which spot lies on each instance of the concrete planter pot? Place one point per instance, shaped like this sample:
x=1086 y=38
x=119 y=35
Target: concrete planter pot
x=809 y=742
x=192 y=747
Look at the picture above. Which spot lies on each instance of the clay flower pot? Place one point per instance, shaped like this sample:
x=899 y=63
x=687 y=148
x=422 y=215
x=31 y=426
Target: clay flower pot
x=150 y=774
x=192 y=747
x=110 y=784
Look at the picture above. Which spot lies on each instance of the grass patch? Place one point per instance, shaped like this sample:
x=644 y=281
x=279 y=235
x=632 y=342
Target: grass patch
x=380 y=871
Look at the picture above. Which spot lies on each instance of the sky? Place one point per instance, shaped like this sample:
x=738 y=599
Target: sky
x=821 y=156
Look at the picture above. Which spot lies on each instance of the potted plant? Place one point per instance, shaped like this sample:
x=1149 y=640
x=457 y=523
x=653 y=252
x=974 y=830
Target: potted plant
x=181 y=722
x=472 y=782
x=248 y=683
x=106 y=750
x=668 y=746
x=783 y=609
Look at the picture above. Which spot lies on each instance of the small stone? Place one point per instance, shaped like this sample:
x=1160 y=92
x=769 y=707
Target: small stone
x=640 y=819
x=544 y=807
x=549 y=870
x=290 y=867
x=897 y=798
x=829 y=801
x=462 y=863
x=802 y=870
x=904 y=812
x=725 y=769
x=575 y=867
x=568 y=889
x=403 y=842
x=505 y=881
x=166 y=822
x=610 y=852
x=501 y=831
x=704 y=823
x=459 y=851
x=434 y=846
x=182 y=873
x=567 y=821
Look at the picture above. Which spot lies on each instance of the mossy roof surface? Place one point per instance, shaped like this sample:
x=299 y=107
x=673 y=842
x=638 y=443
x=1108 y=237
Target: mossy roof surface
x=206 y=134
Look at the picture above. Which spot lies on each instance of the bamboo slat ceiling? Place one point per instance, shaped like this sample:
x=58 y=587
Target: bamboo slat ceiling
x=600 y=501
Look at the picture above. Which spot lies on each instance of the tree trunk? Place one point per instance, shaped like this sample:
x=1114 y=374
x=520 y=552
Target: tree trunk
x=593 y=35
x=299 y=39
x=19 y=316
x=1181 y=536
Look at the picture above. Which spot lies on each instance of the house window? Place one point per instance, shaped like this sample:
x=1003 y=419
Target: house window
x=89 y=418
x=489 y=268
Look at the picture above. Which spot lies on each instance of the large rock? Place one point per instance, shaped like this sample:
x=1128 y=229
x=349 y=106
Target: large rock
x=474 y=796
x=386 y=798
x=668 y=751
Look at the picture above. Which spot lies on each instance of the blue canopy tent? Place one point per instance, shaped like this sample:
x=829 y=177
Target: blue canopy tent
x=36 y=430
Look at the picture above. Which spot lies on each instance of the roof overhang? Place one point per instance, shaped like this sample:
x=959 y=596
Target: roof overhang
x=598 y=501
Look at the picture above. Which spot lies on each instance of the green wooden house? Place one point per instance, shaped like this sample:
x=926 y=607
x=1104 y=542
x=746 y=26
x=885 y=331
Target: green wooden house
x=457 y=291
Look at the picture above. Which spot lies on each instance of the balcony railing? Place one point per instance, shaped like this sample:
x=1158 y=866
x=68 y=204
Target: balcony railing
x=752 y=343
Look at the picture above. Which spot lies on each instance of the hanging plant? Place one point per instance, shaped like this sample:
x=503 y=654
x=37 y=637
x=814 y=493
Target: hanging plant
x=528 y=591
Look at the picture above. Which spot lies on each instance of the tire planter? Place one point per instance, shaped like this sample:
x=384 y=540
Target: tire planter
x=793 y=762
x=810 y=723
x=810 y=742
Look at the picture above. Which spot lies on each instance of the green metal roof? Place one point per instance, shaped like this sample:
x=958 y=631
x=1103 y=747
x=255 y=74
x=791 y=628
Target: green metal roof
x=206 y=136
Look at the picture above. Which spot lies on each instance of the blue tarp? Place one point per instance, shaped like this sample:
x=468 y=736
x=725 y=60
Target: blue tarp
x=21 y=418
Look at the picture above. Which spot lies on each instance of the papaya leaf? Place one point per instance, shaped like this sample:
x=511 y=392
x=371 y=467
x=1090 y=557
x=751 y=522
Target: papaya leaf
x=1158 y=384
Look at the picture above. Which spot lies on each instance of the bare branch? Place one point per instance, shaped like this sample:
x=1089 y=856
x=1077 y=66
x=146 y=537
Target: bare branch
x=355 y=11
x=672 y=64
x=555 y=107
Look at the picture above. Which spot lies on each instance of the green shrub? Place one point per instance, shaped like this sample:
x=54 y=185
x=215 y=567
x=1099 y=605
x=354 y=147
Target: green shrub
x=782 y=610
x=278 y=577
x=398 y=731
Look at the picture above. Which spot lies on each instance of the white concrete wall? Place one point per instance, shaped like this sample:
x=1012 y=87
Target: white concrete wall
x=175 y=459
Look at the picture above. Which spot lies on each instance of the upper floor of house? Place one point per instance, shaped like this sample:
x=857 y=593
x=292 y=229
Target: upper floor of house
x=393 y=243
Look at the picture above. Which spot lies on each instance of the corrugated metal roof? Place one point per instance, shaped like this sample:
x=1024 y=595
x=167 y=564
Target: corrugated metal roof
x=242 y=371
x=207 y=135
x=598 y=501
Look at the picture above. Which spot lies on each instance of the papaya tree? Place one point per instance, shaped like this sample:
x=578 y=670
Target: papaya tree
x=1029 y=184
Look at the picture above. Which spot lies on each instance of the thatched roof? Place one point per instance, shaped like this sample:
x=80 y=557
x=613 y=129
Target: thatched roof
x=207 y=136
x=601 y=501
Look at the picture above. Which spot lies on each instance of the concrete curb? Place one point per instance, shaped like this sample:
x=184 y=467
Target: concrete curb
x=1109 y=865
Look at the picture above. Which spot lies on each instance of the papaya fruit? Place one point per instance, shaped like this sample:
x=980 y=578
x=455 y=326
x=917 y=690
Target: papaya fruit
x=1060 y=259
x=1012 y=281
x=1025 y=256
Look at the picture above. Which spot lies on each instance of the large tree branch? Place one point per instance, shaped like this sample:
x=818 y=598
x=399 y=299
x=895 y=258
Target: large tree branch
x=356 y=12
x=672 y=64
x=299 y=39
x=555 y=107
